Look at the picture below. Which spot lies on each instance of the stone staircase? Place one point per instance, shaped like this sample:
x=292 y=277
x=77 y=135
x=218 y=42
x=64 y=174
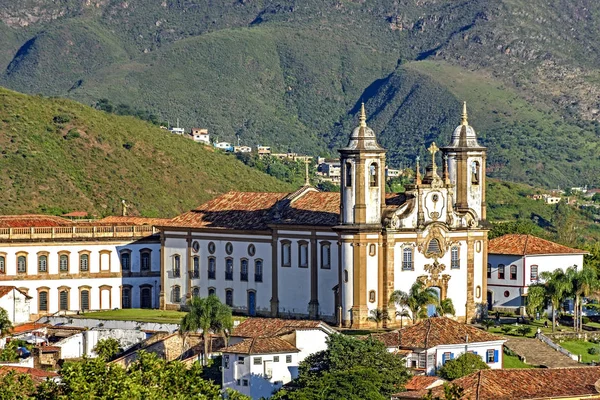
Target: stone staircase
x=536 y=352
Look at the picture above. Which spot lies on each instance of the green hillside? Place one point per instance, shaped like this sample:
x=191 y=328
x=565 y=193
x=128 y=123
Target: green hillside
x=58 y=156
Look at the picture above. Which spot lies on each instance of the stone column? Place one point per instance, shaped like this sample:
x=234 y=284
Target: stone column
x=313 y=305
x=274 y=275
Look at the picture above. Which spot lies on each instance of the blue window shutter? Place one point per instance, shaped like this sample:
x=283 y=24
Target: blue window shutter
x=495 y=355
x=475 y=353
x=452 y=356
x=443 y=359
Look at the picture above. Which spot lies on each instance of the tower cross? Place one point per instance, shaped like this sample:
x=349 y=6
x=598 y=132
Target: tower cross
x=433 y=149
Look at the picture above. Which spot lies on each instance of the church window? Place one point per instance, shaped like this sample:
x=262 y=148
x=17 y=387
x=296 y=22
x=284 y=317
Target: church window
x=475 y=173
x=125 y=297
x=176 y=266
x=196 y=246
x=303 y=254
x=85 y=299
x=229 y=269
x=43 y=301
x=2 y=265
x=325 y=255
x=229 y=248
x=229 y=297
x=478 y=291
x=348 y=174
x=372 y=296
x=244 y=270
x=196 y=271
x=84 y=262
x=534 y=272
x=195 y=291
x=211 y=247
x=372 y=250
x=346 y=276
x=407 y=259
x=455 y=257
x=373 y=175
x=286 y=253
x=501 y=271
x=125 y=261
x=258 y=271
x=212 y=268
x=251 y=250
x=489 y=270
x=513 y=272
x=176 y=294
x=434 y=248
x=21 y=264
x=478 y=246
x=145 y=260
x=212 y=291
x=43 y=264
x=63 y=296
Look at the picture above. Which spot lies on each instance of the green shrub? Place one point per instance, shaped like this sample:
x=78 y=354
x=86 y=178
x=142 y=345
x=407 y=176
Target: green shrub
x=61 y=119
x=593 y=351
x=72 y=134
x=524 y=330
x=506 y=329
x=585 y=320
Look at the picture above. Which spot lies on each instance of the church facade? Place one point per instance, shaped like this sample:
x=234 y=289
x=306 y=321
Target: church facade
x=338 y=256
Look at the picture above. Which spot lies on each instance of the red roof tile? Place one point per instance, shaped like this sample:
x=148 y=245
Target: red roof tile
x=270 y=327
x=4 y=290
x=521 y=384
x=32 y=221
x=435 y=331
x=261 y=345
x=30 y=326
x=522 y=245
x=38 y=375
x=419 y=382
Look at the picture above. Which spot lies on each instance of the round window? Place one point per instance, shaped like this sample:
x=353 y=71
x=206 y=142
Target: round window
x=506 y=293
x=228 y=248
x=251 y=250
x=196 y=246
x=211 y=248
x=435 y=197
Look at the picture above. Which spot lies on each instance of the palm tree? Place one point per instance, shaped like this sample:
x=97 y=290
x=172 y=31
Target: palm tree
x=402 y=313
x=417 y=298
x=208 y=315
x=558 y=285
x=584 y=282
x=445 y=307
x=487 y=323
x=378 y=316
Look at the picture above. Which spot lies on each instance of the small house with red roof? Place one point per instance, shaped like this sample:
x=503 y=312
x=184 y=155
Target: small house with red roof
x=516 y=261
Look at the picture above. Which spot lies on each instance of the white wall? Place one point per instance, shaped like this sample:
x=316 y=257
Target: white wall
x=480 y=348
x=310 y=341
x=17 y=305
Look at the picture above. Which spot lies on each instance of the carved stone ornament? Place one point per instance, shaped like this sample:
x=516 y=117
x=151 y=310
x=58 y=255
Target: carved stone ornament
x=434 y=269
x=434 y=245
x=435 y=279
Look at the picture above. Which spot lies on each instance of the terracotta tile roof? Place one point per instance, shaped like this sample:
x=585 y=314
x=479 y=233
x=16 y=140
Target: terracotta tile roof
x=4 y=290
x=38 y=375
x=30 y=326
x=270 y=327
x=522 y=245
x=420 y=382
x=119 y=220
x=435 y=331
x=49 y=349
x=521 y=384
x=261 y=345
x=76 y=214
x=313 y=208
x=32 y=221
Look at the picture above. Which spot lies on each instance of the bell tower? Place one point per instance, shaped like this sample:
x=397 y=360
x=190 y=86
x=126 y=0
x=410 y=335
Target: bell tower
x=466 y=168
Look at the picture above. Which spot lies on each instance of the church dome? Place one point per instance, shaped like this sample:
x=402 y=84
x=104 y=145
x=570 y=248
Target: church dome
x=362 y=136
x=464 y=135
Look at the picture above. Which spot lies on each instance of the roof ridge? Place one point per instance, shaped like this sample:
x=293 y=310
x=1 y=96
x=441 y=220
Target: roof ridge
x=478 y=385
x=526 y=242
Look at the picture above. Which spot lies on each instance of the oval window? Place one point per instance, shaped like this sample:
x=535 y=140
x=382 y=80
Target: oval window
x=211 y=248
x=506 y=293
x=251 y=250
x=228 y=248
x=196 y=246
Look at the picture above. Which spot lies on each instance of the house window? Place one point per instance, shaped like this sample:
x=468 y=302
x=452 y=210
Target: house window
x=176 y=266
x=145 y=261
x=229 y=297
x=373 y=172
x=43 y=264
x=63 y=263
x=257 y=360
x=125 y=261
x=423 y=359
x=446 y=357
x=501 y=271
x=454 y=258
x=258 y=271
x=513 y=272
x=286 y=254
x=325 y=255
x=212 y=268
x=84 y=262
x=229 y=248
x=176 y=294
x=226 y=361
x=407 y=259
x=229 y=269
x=303 y=254
x=275 y=358
x=21 y=264
x=196 y=271
x=63 y=296
x=211 y=291
x=491 y=356
x=372 y=250
x=85 y=300
x=534 y=272
x=244 y=382
x=43 y=301
x=125 y=297
x=372 y=296
x=288 y=359
x=244 y=270
x=489 y=270
x=2 y=265
x=348 y=175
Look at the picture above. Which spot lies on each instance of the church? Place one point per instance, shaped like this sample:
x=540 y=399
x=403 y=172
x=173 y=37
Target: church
x=338 y=256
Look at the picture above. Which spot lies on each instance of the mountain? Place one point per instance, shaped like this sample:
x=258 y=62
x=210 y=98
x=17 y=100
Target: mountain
x=58 y=155
x=291 y=74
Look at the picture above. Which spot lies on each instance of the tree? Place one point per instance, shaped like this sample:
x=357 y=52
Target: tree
x=365 y=364
x=487 y=323
x=465 y=364
x=107 y=348
x=378 y=316
x=208 y=315
x=451 y=392
x=5 y=323
x=536 y=298
x=445 y=307
x=416 y=300
x=557 y=286
x=15 y=386
x=584 y=281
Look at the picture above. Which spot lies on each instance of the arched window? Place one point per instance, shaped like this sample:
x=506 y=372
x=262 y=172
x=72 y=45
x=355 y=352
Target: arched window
x=84 y=262
x=258 y=271
x=195 y=291
x=489 y=270
x=196 y=272
x=176 y=266
x=145 y=260
x=2 y=265
x=513 y=272
x=176 y=294
x=43 y=301
x=85 y=300
x=372 y=250
x=373 y=175
x=345 y=276
x=212 y=268
x=125 y=297
x=229 y=269
x=348 y=180
x=372 y=296
x=286 y=253
x=21 y=264
x=63 y=262
x=454 y=258
x=325 y=255
x=43 y=264
x=501 y=271
x=475 y=173
x=302 y=254
x=63 y=296
x=407 y=259
x=229 y=297
x=244 y=270
x=125 y=261
x=211 y=291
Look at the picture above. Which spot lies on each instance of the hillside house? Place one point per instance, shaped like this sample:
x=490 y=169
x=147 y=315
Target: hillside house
x=225 y=146
x=200 y=135
x=263 y=151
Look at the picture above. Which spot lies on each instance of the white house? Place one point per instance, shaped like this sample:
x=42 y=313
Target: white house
x=177 y=130
x=200 y=135
x=516 y=261
x=226 y=146
x=16 y=303
x=242 y=149
x=430 y=343
x=264 y=353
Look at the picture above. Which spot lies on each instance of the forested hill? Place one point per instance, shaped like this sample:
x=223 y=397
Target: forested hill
x=291 y=74
x=58 y=156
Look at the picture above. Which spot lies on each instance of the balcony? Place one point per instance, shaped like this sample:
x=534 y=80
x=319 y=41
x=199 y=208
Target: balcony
x=76 y=232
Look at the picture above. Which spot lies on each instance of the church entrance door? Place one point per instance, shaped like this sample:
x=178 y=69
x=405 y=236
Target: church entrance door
x=251 y=303
x=431 y=308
